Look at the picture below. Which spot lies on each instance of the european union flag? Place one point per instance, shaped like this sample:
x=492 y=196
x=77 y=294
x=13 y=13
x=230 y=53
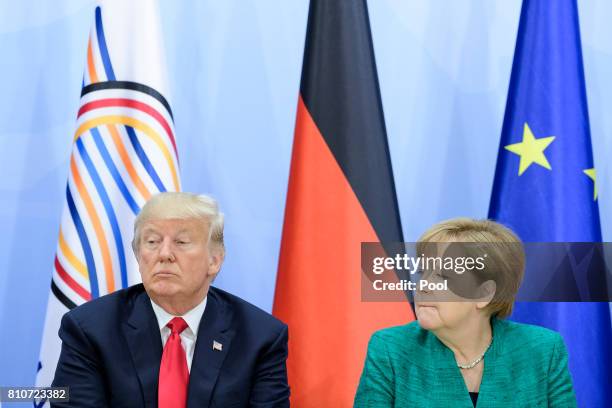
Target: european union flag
x=544 y=185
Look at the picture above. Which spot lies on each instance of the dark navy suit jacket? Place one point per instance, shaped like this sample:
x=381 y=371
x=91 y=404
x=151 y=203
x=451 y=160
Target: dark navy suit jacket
x=111 y=352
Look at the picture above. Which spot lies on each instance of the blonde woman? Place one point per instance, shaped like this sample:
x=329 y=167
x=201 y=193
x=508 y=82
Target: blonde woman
x=464 y=353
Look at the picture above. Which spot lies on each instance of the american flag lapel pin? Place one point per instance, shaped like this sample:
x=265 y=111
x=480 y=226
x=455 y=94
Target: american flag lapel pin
x=217 y=346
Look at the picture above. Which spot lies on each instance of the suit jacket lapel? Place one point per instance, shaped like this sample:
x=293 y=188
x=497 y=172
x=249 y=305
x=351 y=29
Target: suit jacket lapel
x=143 y=337
x=212 y=345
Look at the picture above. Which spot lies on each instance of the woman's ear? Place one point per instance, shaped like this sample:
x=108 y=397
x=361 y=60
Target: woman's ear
x=486 y=292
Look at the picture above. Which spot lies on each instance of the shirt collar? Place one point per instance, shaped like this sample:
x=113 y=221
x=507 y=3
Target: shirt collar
x=192 y=317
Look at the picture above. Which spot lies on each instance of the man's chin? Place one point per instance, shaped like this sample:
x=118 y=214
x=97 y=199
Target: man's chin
x=162 y=289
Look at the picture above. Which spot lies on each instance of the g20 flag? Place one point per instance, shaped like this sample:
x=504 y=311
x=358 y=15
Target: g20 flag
x=545 y=180
x=123 y=152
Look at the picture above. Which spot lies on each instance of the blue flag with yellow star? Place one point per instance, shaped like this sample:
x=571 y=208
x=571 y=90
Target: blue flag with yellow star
x=544 y=186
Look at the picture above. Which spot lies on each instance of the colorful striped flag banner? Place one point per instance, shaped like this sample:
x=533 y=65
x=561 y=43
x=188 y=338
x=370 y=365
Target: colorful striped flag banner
x=124 y=151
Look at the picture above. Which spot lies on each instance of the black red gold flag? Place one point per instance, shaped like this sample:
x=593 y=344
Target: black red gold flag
x=341 y=193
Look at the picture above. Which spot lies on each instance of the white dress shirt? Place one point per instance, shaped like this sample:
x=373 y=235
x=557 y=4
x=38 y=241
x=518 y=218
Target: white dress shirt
x=189 y=335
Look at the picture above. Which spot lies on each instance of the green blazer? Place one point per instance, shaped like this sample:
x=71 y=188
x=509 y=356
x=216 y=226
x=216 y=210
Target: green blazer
x=407 y=366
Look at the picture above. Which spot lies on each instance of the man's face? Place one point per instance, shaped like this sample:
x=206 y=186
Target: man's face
x=174 y=260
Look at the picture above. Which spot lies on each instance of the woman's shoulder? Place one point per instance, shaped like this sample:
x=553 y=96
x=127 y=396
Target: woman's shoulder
x=525 y=332
x=523 y=338
x=408 y=333
x=408 y=342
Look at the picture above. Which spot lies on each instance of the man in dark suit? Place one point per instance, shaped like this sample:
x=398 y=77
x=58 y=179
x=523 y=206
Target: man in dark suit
x=174 y=341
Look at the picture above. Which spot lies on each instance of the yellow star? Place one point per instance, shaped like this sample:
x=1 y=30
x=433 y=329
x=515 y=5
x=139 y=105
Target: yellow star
x=531 y=150
x=591 y=174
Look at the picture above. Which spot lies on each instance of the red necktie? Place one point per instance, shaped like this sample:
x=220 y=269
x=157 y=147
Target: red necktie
x=173 y=372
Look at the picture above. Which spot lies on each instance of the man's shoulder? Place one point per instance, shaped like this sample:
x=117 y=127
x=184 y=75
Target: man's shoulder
x=247 y=313
x=108 y=305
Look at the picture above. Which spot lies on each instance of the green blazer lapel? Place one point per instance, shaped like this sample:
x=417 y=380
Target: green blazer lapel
x=488 y=394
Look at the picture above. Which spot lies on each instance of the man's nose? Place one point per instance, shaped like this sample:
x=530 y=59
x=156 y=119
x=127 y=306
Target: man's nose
x=166 y=251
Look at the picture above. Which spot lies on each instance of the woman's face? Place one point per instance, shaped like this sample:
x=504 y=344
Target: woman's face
x=445 y=309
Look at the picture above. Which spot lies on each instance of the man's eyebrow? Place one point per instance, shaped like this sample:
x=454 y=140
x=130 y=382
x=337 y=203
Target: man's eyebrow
x=153 y=230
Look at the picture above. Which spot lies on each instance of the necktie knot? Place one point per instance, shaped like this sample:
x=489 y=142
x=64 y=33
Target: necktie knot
x=177 y=325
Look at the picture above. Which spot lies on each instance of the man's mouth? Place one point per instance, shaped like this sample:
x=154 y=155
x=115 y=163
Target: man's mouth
x=164 y=274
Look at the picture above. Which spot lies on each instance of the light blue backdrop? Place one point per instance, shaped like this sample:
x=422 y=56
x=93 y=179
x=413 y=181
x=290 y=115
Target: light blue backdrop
x=234 y=71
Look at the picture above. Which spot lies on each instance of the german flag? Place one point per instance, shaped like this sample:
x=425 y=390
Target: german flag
x=341 y=193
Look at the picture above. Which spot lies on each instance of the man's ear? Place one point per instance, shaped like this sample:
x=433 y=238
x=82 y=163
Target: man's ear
x=486 y=293
x=215 y=261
